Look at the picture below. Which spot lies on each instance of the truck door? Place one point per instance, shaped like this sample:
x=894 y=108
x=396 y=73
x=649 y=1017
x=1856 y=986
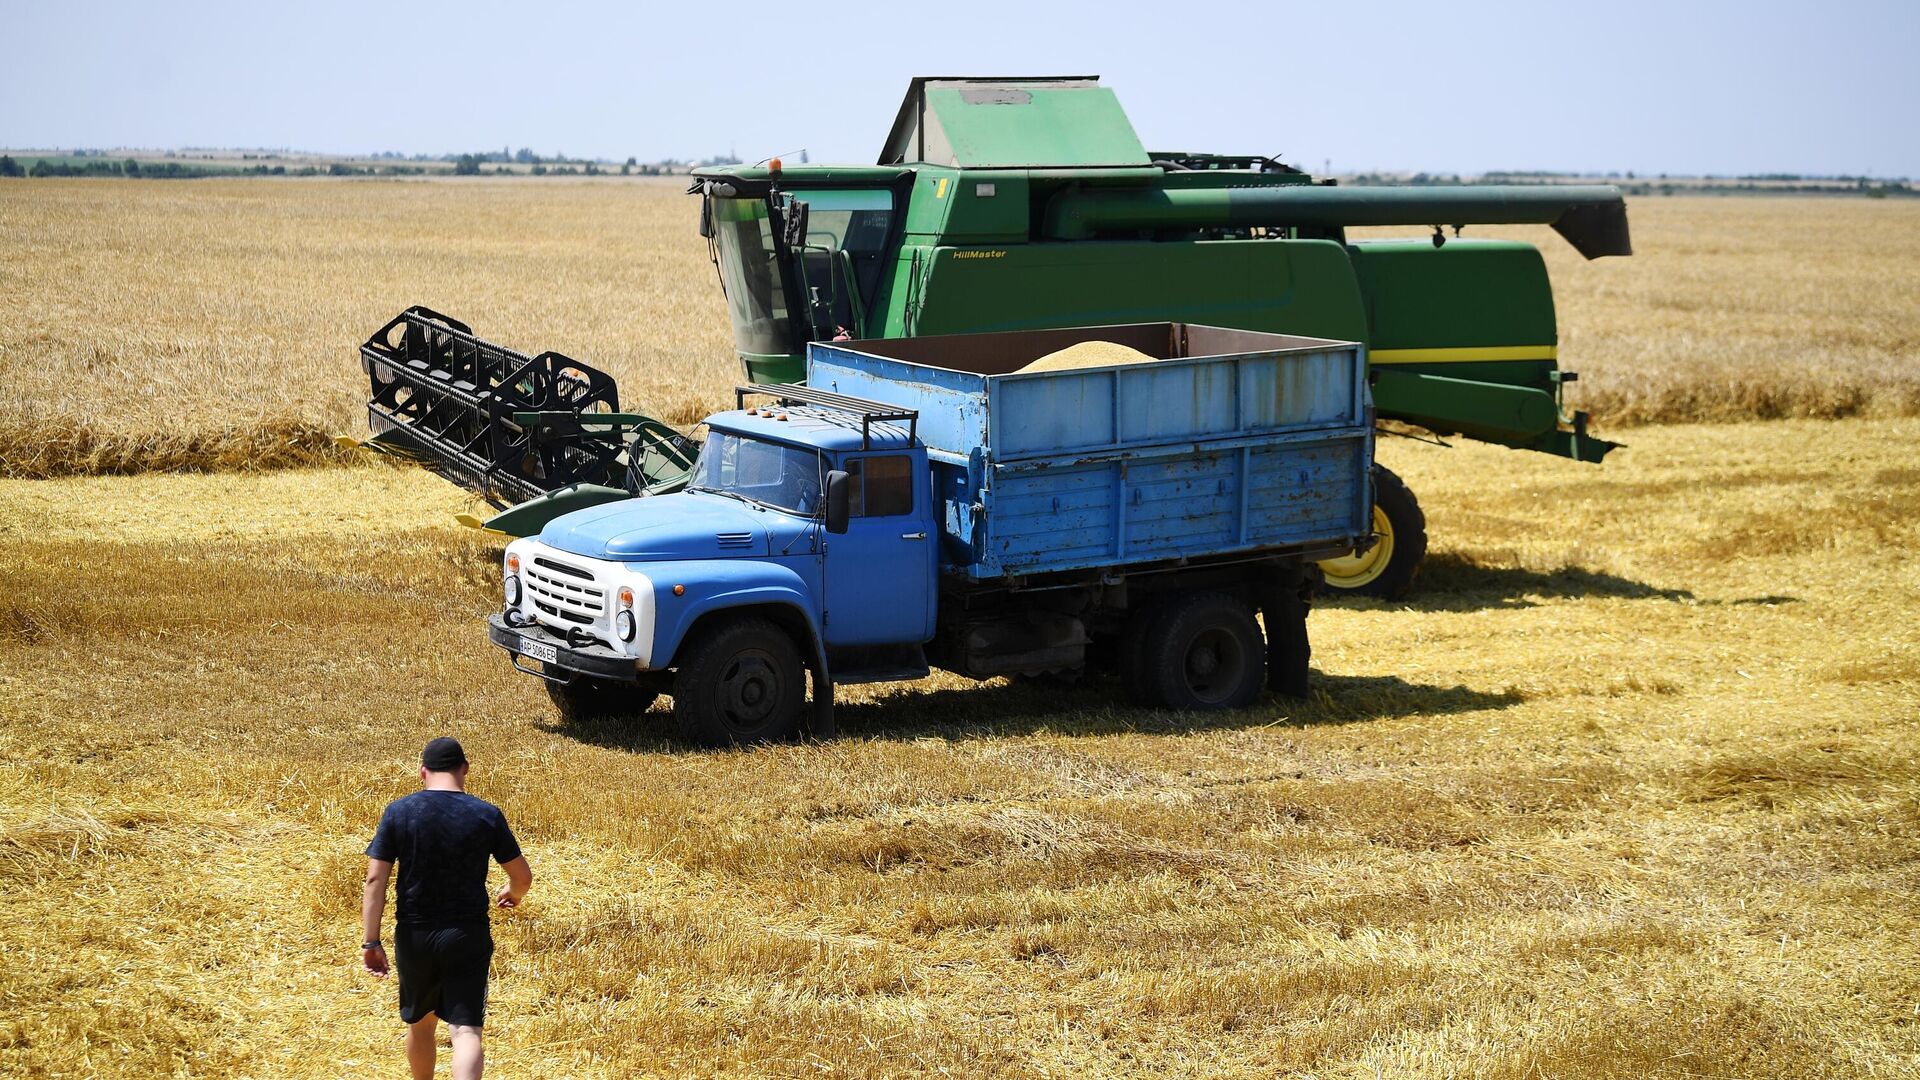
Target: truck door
x=880 y=572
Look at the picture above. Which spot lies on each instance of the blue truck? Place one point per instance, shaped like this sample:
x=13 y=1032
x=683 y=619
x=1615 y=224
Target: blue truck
x=924 y=502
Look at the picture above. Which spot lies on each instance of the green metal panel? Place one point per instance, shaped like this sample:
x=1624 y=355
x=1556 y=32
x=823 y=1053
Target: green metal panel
x=1470 y=292
x=528 y=518
x=841 y=175
x=1010 y=123
x=1285 y=286
x=1537 y=374
x=1593 y=218
x=933 y=197
x=1504 y=414
x=1079 y=126
x=774 y=367
x=989 y=208
x=1525 y=418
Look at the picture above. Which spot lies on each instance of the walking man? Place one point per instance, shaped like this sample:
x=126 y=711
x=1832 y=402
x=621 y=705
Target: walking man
x=441 y=837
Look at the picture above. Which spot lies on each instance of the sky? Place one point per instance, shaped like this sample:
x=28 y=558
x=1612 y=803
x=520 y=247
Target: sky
x=1441 y=86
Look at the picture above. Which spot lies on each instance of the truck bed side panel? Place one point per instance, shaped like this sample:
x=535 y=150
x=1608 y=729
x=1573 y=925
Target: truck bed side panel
x=1266 y=445
x=1192 y=504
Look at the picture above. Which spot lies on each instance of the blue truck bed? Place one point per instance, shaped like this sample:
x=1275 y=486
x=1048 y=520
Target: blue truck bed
x=1230 y=442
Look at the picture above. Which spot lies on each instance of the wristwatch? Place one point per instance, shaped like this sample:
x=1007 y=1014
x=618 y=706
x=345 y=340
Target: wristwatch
x=374 y=944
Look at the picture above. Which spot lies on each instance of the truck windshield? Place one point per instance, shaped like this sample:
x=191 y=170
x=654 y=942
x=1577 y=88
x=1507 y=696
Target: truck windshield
x=782 y=476
x=757 y=280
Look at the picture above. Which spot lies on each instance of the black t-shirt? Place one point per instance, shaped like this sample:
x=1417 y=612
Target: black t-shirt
x=441 y=839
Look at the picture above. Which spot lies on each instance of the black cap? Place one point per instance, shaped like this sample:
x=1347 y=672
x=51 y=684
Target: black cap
x=443 y=755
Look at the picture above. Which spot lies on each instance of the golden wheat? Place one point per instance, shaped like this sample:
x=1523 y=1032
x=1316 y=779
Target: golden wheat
x=201 y=323
x=1630 y=789
x=214 y=324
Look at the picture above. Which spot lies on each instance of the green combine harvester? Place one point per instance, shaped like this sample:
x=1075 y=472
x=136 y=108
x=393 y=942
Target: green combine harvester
x=1005 y=204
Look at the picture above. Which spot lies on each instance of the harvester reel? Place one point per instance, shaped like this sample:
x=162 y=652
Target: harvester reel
x=445 y=396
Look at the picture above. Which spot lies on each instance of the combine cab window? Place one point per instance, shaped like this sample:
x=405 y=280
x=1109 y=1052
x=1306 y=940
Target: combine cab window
x=855 y=222
x=750 y=270
x=843 y=258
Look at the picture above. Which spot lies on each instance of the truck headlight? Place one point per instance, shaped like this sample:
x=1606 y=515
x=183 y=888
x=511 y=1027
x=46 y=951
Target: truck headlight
x=513 y=590
x=623 y=625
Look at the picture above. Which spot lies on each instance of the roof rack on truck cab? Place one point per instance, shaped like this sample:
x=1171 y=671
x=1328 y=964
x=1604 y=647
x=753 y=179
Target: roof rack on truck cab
x=867 y=412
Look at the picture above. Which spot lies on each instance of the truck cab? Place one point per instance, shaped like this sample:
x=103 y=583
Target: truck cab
x=610 y=597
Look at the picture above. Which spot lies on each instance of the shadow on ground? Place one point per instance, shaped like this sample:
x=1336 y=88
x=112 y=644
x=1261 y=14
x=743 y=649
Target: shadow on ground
x=1000 y=709
x=1456 y=582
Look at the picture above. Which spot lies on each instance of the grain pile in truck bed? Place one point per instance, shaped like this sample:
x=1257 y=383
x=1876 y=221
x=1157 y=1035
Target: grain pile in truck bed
x=1087 y=354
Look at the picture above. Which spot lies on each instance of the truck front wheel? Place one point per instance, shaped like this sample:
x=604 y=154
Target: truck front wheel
x=739 y=682
x=1203 y=651
x=585 y=698
x=1386 y=569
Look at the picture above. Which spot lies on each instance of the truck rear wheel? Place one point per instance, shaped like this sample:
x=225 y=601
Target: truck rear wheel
x=1386 y=569
x=584 y=699
x=740 y=682
x=1203 y=651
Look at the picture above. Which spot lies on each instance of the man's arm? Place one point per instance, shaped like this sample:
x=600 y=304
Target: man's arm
x=519 y=880
x=373 y=905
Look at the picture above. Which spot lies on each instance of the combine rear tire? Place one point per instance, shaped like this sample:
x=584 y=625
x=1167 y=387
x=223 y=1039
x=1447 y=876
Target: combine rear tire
x=1386 y=569
x=739 y=682
x=585 y=699
x=1203 y=651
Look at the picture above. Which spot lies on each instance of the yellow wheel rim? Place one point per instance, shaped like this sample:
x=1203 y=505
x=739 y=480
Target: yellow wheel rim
x=1353 y=571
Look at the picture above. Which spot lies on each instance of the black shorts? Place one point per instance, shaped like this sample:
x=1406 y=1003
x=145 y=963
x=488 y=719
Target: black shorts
x=443 y=969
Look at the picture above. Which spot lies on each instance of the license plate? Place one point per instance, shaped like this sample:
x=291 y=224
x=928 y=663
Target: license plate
x=540 y=651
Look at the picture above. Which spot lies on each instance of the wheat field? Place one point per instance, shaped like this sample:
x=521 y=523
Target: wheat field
x=215 y=324
x=1629 y=788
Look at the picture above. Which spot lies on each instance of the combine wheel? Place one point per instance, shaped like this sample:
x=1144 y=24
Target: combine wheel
x=1202 y=651
x=739 y=682
x=1386 y=569
x=584 y=698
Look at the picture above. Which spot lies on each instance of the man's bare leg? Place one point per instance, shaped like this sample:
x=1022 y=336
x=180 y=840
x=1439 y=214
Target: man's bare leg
x=421 y=1048
x=468 y=1057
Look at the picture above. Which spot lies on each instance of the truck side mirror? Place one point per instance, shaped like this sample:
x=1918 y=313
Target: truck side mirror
x=839 y=492
x=706 y=216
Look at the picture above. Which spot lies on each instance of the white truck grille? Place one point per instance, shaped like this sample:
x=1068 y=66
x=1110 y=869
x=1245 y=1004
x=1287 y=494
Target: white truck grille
x=565 y=594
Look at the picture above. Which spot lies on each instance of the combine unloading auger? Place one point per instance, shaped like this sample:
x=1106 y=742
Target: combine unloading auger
x=540 y=434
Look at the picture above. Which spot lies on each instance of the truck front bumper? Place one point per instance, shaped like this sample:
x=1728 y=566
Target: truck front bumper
x=559 y=661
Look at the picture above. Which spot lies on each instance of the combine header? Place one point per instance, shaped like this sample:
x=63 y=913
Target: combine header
x=542 y=431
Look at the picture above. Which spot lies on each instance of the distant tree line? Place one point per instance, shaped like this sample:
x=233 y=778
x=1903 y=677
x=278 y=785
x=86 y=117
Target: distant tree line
x=94 y=163
x=174 y=170
x=1630 y=184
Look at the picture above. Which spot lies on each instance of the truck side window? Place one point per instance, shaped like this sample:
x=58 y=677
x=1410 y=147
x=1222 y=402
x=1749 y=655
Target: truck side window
x=882 y=486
